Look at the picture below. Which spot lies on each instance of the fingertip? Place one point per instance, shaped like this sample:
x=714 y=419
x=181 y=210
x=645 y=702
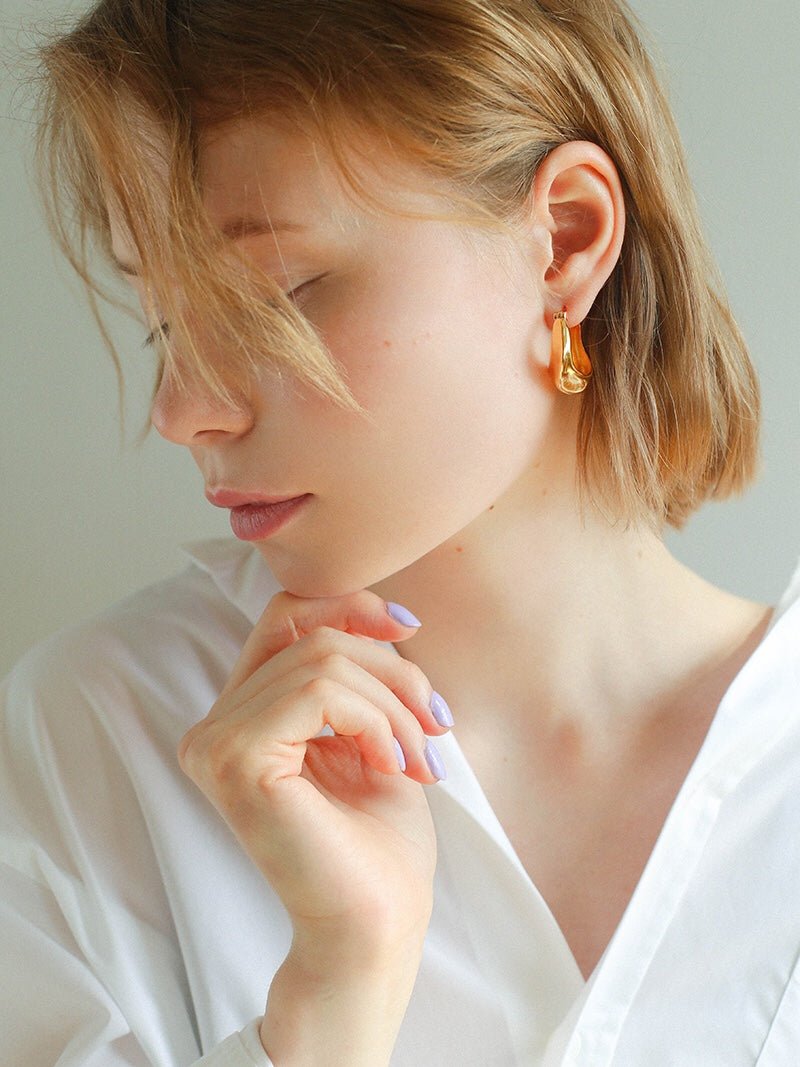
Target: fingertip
x=401 y=614
x=398 y=751
x=385 y=758
x=435 y=762
x=441 y=712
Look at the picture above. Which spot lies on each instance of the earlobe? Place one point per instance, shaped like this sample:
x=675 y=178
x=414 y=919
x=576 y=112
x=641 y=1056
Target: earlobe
x=578 y=194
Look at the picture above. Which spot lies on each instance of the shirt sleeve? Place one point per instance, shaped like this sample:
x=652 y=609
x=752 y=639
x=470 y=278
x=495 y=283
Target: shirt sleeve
x=239 y=1050
x=56 y=1011
x=90 y=966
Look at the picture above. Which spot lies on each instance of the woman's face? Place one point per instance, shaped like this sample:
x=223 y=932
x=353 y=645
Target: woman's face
x=444 y=340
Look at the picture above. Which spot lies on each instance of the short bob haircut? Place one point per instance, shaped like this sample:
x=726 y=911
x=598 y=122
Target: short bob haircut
x=476 y=92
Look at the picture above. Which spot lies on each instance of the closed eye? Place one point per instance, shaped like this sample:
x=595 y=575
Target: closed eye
x=164 y=326
x=293 y=292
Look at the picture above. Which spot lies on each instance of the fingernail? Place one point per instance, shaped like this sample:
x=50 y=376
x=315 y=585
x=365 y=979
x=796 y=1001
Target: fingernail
x=401 y=614
x=434 y=761
x=441 y=712
x=401 y=759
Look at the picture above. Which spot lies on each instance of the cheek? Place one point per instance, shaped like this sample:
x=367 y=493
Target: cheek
x=445 y=444
x=461 y=368
x=456 y=406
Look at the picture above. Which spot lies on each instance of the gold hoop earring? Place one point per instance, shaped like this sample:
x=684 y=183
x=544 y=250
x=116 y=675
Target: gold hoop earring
x=570 y=366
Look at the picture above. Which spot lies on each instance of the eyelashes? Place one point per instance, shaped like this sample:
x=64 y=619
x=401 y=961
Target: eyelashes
x=151 y=337
x=164 y=326
x=298 y=289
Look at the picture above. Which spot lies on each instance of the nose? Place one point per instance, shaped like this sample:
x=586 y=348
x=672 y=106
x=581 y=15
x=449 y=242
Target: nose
x=189 y=414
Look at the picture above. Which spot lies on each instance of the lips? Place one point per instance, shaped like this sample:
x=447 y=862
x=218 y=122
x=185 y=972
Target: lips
x=256 y=522
x=256 y=516
x=231 y=498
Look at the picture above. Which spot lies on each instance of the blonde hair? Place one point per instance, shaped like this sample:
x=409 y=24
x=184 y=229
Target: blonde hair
x=477 y=92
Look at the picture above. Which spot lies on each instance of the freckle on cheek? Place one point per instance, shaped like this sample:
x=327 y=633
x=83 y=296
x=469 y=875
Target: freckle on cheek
x=387 y=344
x=459 y=548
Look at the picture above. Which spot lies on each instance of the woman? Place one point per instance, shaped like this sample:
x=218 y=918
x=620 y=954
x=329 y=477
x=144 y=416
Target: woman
x=431 y=276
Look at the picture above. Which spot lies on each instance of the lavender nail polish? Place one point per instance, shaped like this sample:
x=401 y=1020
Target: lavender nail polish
x=402 y=615
x=441 y=712
x=401 y=759
x=434 y=761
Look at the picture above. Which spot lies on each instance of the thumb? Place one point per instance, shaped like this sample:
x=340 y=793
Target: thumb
x=287 y=618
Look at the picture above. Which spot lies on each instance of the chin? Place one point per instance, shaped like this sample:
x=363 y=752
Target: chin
x=310 y=579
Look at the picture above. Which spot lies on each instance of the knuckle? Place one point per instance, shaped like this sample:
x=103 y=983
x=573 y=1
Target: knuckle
x=281 y=617
x=208 y=755
x=187 y=751
x=191 y=750
x=366 y=601
x=322 y=690
x=323 y=639
x=334 y=662
x=223 y=762
x=278 y=608
x=417 y=681
x=216 y=753
x=416 y=735
x=385 y=728
x=284 y=603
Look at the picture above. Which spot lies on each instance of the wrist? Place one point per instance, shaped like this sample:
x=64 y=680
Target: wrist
x=325 y=1012
x=351 y=951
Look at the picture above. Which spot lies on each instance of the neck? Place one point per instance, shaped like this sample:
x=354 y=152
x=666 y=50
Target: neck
x=541 y=621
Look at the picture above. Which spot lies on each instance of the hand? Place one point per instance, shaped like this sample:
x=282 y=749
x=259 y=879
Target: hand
x=341 y=833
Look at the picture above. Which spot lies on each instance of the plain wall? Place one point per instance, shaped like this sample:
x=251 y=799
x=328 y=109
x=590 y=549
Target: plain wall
x=86 y=519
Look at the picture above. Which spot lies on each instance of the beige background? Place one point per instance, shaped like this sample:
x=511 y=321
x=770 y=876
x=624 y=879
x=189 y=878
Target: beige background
x=86 y=518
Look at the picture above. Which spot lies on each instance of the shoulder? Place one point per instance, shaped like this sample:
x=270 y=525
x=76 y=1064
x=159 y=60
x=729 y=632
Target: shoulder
x=135 y=638
x=167 y=647
x=768 y=686
x=91 y=717
x=782 y=640
x=90 y=721
x=789 y=601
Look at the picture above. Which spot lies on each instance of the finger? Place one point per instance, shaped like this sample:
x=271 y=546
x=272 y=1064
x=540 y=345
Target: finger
x=263 y=746
x=330 y=651
x=287 y=618
x=407 y=725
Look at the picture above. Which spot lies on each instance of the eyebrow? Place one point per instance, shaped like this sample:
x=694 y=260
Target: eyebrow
x=235 y=230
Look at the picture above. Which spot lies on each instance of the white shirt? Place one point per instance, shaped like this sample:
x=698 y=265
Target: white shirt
x=135 y=931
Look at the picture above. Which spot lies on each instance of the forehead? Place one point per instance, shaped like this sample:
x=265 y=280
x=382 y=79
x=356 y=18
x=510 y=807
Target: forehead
x=250 y=169
x=255 y=168
x=257 y=174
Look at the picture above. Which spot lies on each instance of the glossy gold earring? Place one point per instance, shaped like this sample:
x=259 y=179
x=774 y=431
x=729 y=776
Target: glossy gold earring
x=570 y=366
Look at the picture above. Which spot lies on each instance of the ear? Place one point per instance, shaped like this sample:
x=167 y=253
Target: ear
x=578 y=200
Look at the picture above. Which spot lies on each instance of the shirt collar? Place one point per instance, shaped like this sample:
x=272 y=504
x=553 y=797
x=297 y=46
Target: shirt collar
x=790 y=595
x=238 y=571
x=761 y=704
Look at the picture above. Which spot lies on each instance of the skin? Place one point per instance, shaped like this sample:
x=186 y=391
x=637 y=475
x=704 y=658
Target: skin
x=441 y=522
x=592 y=646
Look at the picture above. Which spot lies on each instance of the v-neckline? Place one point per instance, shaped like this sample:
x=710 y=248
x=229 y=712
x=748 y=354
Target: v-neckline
x=557 y=1003
x=464 y=788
